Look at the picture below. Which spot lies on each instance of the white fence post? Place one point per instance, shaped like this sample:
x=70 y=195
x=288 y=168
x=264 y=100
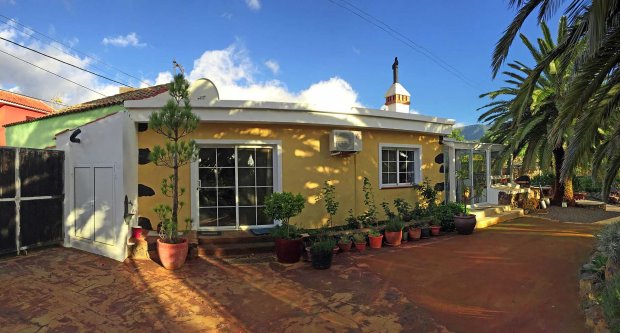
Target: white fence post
x=18 y=194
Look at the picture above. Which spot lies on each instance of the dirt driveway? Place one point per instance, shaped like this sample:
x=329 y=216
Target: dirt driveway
x=518 y=276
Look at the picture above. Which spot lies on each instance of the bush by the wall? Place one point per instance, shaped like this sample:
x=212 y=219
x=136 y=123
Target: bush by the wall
x=609 y=242
x=610 y=302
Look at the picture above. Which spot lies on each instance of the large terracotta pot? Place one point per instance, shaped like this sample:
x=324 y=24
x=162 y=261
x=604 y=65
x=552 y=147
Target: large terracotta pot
x=415 y=233
x=288 y=251
x=435 y=230
x=172 y=256
x=375 y=241
x=465 y=224
x=360 y=247
x=393 y=238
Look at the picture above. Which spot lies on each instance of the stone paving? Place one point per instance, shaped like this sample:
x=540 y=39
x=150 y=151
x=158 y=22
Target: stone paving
x=518 y=276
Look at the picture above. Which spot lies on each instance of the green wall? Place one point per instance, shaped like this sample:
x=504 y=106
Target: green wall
x=40 y=133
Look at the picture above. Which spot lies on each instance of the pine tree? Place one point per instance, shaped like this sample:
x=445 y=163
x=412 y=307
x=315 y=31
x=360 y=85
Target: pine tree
x=174 y=121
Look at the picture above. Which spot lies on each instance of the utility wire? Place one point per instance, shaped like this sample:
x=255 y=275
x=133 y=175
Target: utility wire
x=7 y=19
x=43 y=69
x=405 y=40
x=39 y=99
x=64 y=62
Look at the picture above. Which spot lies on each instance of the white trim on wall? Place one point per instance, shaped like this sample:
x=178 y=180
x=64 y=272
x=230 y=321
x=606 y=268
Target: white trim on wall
x=417 y=170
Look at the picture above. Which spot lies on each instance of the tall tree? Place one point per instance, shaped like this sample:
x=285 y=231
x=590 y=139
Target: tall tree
x=524 y=121
x=174 y=121
x=592 y=101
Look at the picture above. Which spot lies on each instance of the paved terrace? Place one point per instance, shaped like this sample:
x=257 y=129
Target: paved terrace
x=518 y=276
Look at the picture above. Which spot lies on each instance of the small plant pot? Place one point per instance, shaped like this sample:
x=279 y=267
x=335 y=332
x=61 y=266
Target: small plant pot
x=360 y=247
x=435 y=230
x=345 y=247
x=288 y=251
x=465 y=224
x=322 y=260
x=405 y=236
x=393 y=238
x=172 y=256
x=375 y=241
x=425 y=233
x=414 y=233
x=136 y=232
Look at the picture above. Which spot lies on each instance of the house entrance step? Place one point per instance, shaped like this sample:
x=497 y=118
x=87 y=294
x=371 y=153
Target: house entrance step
x=235 y=249
x=487 y=221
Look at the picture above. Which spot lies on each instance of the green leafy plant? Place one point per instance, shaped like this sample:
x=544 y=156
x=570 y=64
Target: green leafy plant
x=352 y=221
x=609 y=242
x=386 y=209
x=435 y=221
x=394 y=225
x=174 y=121
x=374 y=233
x=428 y=192
x=328 y=194
x=359 y=237
x=610 y=303
x=404 y=209
x=282 y=207
x=344 y=239
x=370 y=216
x=323 y=245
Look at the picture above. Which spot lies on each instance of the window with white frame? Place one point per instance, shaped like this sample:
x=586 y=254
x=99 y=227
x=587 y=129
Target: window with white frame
x=399 y=165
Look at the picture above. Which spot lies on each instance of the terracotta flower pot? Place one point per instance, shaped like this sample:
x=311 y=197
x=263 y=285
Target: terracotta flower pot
x=415 y=233
x=172 y=256
x=360 y=247
x=375 y=241
x=465 y=224
x=346 y=247
x=288 y=251
x=435 y=230
x=393 y=238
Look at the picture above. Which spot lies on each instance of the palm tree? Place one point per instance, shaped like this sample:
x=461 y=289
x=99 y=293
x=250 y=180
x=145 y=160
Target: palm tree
x=524 y=121
x=592 y=99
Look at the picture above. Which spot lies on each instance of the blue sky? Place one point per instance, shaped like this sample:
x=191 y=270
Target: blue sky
x=289 y=50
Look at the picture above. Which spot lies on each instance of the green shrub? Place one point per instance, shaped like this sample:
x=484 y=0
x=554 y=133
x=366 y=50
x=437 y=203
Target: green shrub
x=405 y=212
x=352 y=221
x=323 y=245
x=328 y=194
x=283 y=206
x=610 y=302
x=585 y=184
x=386 y=209
x=374 y=233
x=546 y=178
x=344 y=239
x=394 y=225
x=359 y=237
x=609 y=241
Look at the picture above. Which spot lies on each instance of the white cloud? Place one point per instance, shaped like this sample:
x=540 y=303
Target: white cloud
x=253 y=4
x=273 y=66
x=227 y=15
x=38 y=83
x=233 y=72
x=130 y=39
x=459 y=124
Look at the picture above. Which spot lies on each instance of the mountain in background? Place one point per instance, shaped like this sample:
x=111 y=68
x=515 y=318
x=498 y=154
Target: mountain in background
x=473 y=132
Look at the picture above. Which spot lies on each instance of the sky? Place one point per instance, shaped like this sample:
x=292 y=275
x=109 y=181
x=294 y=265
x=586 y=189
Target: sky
x=312 y=51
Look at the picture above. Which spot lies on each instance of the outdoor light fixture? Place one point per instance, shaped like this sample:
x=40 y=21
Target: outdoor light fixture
x=73 y=137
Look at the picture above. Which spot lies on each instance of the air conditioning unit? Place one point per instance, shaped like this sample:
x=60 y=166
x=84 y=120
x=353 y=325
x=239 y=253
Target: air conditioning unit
x=341 y=141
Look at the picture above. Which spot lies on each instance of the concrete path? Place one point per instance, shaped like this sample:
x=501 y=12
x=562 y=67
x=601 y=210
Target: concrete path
x=519 y=276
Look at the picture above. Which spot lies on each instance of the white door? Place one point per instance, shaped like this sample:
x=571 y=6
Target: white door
x=94 y=204
x=83 y=202
x=105 y=228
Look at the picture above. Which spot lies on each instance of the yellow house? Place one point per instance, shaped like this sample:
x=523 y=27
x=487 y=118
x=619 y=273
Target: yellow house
x=249 y=149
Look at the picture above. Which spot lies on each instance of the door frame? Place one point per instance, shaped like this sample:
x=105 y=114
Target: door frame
x=194 y=181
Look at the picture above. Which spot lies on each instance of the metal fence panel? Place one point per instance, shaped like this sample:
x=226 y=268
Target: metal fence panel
x=7 y=227
x=7 y=173
x=40 y=222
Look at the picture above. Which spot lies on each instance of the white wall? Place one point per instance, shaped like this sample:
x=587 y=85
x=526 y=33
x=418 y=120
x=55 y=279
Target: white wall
x=108 y=141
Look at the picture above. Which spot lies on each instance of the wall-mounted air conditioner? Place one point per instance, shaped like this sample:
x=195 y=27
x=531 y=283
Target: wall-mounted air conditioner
x=341 y=141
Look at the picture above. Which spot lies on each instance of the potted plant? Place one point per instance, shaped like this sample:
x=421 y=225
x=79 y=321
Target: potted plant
x=322 y=253
x=282 y=207
x=394 y=232
x=360 y=241
x=464 y=222
x=435 y=226
x=375 y=239
x=425 y=230
x=174 y=121
x=415 y=231
x=344 y=243
x=328 y=194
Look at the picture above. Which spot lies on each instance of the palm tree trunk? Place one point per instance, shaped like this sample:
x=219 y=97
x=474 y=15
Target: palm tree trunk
x=563 y=189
